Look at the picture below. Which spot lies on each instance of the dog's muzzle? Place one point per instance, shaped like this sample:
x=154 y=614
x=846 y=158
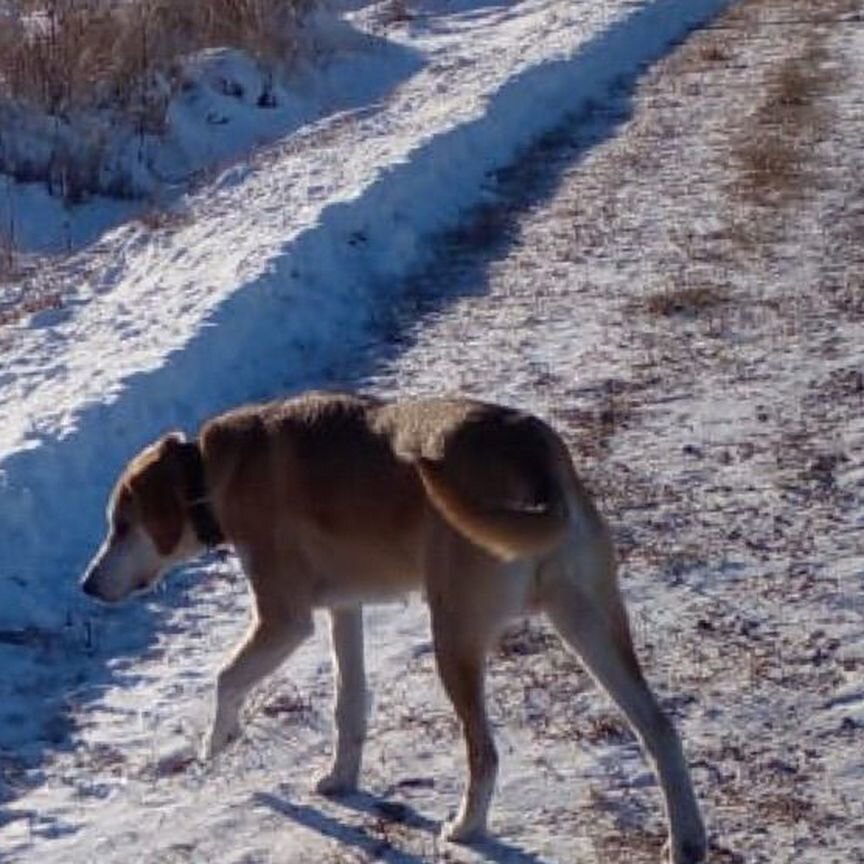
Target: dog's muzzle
x=88 y=583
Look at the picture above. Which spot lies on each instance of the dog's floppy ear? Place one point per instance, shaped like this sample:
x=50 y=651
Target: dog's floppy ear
x=170 y=440
x=157 y=488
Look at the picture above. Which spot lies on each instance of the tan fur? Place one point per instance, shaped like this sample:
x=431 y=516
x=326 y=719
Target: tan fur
x=152 y=481
x=334 y=500
x=515 y=532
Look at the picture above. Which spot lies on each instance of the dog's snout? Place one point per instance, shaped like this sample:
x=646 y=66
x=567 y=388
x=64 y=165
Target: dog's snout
x=88 y=583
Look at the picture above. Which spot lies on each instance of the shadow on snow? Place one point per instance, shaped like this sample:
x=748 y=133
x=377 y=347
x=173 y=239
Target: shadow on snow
x=384 y=812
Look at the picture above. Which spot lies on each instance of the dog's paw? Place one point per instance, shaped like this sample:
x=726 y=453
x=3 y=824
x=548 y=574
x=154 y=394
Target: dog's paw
x=462 y=831
x=216 y=741
x=334 y=784
x=690 y=850
x=207 y=751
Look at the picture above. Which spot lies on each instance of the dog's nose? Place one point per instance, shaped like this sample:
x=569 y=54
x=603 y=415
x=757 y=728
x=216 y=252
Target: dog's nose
x=88 y=584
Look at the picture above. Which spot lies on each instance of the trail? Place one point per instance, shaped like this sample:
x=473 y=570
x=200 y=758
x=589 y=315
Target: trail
x=701 y=350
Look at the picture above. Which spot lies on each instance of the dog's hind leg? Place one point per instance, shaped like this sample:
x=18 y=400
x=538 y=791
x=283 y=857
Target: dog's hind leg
x=587 y=610
x=461 y=666
x=268 y=643
x=471 y=596
x=350 y=711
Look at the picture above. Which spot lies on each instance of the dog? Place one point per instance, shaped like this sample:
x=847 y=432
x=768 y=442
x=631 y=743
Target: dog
x=332 y=500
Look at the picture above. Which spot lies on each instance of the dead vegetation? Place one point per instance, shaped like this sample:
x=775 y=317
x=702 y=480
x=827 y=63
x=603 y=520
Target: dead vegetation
x=7 y=256
x=774 y=154
x=396 y=12
x=157 y=218
x=688 y=301
x=62 y=55
x=85 y=83
x=27 y=302
x=79 y=77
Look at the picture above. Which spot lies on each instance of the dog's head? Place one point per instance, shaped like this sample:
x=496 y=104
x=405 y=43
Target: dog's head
x=149 y=529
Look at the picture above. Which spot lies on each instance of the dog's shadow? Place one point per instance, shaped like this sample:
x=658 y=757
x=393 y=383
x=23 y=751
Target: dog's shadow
x=375 y=841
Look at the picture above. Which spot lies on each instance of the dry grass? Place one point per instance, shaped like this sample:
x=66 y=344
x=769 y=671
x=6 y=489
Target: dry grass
x=715 y=51
x=689 y=301
x=396 y=12
x=31 y=304
x=66 y=54
x=526 y=638
x=773 y=157
x=157 y=218
x=75 y=73
x=7 y=257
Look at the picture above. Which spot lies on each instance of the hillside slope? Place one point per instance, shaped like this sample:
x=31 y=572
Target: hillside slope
x=687 y=308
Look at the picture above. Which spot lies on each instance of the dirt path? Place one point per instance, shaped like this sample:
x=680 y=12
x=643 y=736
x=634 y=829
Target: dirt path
x=676 y=280
x=687 y=301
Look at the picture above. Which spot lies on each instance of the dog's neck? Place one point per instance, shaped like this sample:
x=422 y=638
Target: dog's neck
x=196 y=497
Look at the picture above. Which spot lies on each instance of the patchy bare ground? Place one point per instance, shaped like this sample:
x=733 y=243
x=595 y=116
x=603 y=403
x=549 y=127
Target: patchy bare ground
x=713 y=384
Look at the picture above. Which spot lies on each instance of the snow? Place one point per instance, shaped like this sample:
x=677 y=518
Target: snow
x=283 y=258
x=290 y=272
x=226 y=106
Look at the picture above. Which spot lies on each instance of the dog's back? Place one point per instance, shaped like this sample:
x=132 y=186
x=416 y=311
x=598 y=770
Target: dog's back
x=338 y=456
x=349 y=477
x=499 y=476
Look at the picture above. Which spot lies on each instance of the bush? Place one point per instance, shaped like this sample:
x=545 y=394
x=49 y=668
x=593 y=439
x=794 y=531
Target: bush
x=81 y=79
x=63 y=55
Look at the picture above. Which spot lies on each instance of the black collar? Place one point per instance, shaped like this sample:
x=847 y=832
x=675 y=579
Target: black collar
x=197 y=499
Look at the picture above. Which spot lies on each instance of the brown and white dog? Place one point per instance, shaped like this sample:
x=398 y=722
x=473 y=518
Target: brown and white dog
x=333 y=500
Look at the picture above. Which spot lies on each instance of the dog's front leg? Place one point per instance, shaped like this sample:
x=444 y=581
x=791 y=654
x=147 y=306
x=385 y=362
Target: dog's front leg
x=351 y=701
x=267 y=645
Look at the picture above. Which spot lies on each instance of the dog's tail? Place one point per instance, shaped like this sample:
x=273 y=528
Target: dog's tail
x=507 y=531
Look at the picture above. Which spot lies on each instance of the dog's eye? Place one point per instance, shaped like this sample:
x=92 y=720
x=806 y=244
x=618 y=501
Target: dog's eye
x=121 y=528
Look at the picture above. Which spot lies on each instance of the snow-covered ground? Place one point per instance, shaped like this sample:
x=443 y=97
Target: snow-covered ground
x=735 y=487
x=225 y=106
x=283 y=262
